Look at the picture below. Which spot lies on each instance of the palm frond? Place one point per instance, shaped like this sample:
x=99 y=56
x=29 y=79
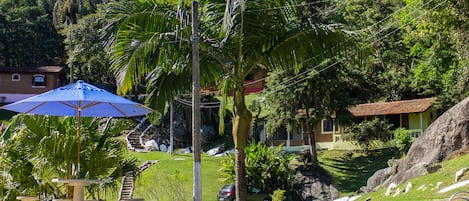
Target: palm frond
x=310 y=46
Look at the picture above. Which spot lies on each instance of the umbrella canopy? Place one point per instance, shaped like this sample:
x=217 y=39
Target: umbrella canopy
x=79 y=99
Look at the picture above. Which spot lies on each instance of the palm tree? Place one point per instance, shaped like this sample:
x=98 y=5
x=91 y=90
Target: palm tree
x=42 y=148
x=150 y=43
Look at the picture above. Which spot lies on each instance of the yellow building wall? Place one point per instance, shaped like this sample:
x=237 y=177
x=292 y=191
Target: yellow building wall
x=427 y=118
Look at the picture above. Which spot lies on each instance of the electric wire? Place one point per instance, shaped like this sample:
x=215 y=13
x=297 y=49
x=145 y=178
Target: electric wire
x=343 y=59
x=297 y=77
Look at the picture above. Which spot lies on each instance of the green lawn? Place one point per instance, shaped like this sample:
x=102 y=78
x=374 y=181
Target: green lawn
x=350 y=172
x=172 y=177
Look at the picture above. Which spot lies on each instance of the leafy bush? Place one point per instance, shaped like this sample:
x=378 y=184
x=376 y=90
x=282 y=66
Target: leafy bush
x=367 y=131
x=266 y=168
x=403 y=139
x=279 y=195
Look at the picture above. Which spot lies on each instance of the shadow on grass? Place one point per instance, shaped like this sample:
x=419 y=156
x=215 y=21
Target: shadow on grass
x=350 y=172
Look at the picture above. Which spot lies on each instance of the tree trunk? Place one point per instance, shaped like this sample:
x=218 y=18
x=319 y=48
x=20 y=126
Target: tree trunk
x=312 y=141
x=241 y=128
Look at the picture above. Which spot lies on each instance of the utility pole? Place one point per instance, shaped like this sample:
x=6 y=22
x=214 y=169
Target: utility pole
x=197 y=194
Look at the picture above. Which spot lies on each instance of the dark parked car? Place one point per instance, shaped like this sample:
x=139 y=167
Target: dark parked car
x=227 y=193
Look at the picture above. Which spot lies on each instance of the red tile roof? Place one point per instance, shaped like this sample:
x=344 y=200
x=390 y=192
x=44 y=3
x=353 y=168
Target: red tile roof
x=396 y=107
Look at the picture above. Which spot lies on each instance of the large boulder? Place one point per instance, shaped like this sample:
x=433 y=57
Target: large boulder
x=378 y=177
x=315 y=184
x=207 y=133
x=445 y=136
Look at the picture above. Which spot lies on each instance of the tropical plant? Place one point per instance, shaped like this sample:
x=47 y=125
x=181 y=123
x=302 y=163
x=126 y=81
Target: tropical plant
x=279 y=195
x=41 y=148
x=267 y=168
x=150 y=43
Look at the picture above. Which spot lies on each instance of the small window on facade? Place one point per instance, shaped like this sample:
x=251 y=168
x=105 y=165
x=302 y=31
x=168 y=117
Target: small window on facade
x=327 y=125
x=39 y=81
x=15 y=77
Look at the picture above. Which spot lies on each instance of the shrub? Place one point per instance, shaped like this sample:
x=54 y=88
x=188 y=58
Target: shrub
x=367 y=131
x=403 y=139
x=279 y=195
x=266 y=168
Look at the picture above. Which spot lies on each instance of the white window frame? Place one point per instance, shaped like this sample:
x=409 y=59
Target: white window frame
x=39 y=75
x=333 y=121
x=15 y=79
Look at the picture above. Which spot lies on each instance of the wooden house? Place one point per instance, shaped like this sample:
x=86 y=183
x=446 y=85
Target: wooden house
x=17 y=83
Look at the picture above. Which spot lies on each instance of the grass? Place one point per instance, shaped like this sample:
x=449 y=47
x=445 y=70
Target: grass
x=172 y=175
x=350 y=170
x=445 y=175
x=171 y=178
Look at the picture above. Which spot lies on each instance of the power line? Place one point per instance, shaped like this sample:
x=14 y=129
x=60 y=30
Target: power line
x=202 y=105
x=329 y=66
x=395 y=22
x=441 y=3
x=340 y=60
x=289 y=6
x=304 y=78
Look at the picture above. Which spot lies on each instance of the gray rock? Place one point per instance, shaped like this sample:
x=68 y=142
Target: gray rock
x=378 y=178
x=314 y=184
x=187 y=150
x=207 y=134
x=180 y=132
x=151 y=145
x=445 y=136
x=163 y=148
x=217 y=150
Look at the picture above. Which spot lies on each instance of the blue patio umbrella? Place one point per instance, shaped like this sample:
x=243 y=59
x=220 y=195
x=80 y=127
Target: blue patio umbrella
x=79 y=99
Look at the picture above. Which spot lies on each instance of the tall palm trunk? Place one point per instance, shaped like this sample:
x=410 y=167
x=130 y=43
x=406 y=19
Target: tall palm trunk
x=241 y=128
x=312 y=141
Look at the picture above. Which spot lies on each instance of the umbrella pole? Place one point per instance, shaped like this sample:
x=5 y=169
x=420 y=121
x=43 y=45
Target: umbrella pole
x=78 y=141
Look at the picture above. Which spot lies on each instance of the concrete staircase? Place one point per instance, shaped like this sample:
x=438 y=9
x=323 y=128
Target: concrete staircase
x=133 y=139
x=127 y=187
x=128 y=180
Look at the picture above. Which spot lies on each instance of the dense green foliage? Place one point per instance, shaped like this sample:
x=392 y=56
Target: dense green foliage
x=368 y=131
x=416 y=48
x=267 y=168
x=403 y=139
x=28 y=37
x=41 y=148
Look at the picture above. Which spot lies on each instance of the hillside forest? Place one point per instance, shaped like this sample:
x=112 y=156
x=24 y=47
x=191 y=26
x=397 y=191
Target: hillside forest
x=408 y=48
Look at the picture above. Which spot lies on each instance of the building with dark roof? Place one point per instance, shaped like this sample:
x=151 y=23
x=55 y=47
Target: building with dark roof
x=17 y=83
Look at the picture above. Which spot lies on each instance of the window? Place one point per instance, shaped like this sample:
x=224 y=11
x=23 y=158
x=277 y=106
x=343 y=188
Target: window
x=39 y=81
x=327 y=125
x=15 y=77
